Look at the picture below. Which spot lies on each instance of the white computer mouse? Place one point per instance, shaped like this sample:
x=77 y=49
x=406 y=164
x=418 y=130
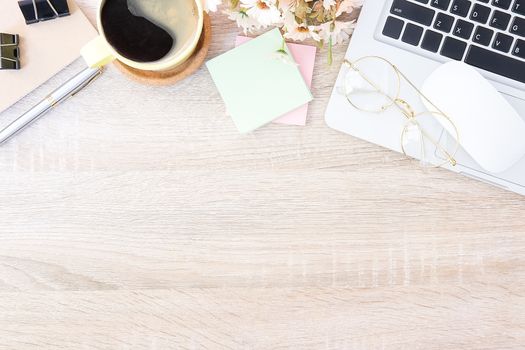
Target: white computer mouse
x=489 y=129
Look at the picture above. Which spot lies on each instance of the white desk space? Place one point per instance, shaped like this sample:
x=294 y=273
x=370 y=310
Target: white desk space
x=135 y=217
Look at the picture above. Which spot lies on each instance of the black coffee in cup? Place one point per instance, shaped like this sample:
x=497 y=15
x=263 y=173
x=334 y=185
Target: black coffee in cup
x=148 y=30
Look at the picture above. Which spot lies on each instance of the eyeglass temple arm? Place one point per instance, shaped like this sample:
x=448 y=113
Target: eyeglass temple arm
x=418 y=90
x=436 y=143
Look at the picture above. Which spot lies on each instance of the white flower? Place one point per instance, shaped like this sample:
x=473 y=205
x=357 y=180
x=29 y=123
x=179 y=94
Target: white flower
x=328 y=3
x=286 y=5
x=263 y=11
x=314 y=32
x=347 y=6
x=243 y=21
x=298 y=32
x=339 y=33
x=211 y=5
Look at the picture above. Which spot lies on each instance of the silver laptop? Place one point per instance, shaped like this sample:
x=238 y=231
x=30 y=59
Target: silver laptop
x=419 y=35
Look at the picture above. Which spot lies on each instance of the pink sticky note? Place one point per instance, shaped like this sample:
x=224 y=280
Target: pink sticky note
x=304 y=55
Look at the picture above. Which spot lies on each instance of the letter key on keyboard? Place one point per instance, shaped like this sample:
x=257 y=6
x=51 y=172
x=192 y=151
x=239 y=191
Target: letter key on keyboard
x=491 y=32
x=496 y=63
x=413 y=12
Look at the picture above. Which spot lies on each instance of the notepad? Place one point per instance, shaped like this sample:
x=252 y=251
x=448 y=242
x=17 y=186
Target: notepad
x=256 y=86
x=45 y=48
x=304 y=55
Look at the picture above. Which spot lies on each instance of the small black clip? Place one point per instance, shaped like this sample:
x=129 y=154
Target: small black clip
x=42 y=10
x=9 y=51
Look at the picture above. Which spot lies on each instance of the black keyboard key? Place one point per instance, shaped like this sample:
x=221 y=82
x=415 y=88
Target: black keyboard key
x=496 y=63
x=500 y=20
x=518 y=26
x=502 y=42
x=483 y=36
x=485 y=1
x=393 y=27
x=431 y=41
x=453 y=48
x=460 y=7
x=440 y=4
x=480 y=13
x=502 y=4
x=423 y=1
x=463 y=29
x=443 y=22
x=412 y=34
x=413 y=12
x=519 y=7
x=519 y=49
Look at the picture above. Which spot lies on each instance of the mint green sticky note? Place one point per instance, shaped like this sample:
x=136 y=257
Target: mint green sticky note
x=256 y=86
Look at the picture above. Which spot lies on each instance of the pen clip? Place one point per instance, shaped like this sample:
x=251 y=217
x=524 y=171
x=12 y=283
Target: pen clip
x=86 y=83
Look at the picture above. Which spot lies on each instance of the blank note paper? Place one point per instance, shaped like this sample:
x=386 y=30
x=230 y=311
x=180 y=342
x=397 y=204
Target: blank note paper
x=256 y=86
x=304 y=55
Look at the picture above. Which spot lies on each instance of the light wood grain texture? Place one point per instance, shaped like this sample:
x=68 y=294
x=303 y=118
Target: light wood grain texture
x=135 y=217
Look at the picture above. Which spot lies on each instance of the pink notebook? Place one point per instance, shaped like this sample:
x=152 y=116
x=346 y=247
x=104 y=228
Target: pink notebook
x=304 y=55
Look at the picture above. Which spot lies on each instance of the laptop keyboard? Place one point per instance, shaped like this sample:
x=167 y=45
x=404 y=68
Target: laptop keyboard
x=488 y=34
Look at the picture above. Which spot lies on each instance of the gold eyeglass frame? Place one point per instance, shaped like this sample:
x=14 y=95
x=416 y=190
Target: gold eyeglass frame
x=405 y=108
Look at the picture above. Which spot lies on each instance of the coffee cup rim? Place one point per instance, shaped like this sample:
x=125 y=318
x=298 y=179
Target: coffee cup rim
x=161 y=64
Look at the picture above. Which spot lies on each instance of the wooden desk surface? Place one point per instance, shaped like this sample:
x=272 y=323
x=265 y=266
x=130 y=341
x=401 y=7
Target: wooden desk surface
x=138 y=218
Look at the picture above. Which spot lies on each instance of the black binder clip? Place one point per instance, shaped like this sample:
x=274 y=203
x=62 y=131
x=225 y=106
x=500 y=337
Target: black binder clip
x=42 y=10
x=9 y=52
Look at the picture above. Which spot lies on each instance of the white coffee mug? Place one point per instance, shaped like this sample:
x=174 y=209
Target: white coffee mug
x=99 y=51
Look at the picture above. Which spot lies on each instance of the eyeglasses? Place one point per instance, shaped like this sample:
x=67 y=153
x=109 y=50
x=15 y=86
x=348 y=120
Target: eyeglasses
x=372 y=84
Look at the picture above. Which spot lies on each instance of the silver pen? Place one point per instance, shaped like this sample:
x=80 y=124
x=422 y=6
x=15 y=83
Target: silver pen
x=69 y=89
